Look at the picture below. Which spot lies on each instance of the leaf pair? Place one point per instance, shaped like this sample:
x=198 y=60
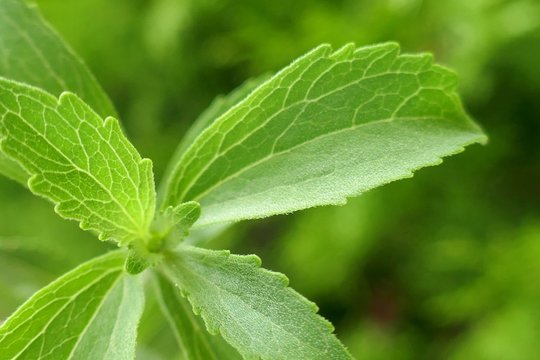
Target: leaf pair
x=329 y=126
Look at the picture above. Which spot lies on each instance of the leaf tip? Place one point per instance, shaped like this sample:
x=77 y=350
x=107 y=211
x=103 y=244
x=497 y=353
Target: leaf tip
x=135 y=264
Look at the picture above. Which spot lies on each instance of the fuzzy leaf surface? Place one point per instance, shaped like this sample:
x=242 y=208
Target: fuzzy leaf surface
x=252 y=308
x=329 y=126
x=194 y=341
x=218 y=107
x=91 y=312
x=84 y=164
x=33 y=53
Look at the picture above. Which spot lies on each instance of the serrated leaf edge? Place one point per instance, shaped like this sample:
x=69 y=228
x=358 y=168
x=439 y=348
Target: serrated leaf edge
x=255 y=262
x=346 y=52
x=106 y=122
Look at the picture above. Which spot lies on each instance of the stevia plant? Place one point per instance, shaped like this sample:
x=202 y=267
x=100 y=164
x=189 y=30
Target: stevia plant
x=329 y=126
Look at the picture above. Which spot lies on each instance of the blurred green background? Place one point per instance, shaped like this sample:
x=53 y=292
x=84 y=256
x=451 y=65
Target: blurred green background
x=445 y=265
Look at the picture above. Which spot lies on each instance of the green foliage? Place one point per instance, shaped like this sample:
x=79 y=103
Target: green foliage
x=67 y=319
x=84 y=164
x=179 y=220
x=218 y=107
x=383 y=116
x=330 y=126
x=189 y=330
x=252 y=308
x=32 y=52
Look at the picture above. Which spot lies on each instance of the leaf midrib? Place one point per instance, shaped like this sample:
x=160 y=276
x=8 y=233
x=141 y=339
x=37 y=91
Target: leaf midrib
x=98 y=308
x=314 y=139
x=120 y=160
x=72 y=298
x=233 y=145
x=225 y=290
x=135 y=224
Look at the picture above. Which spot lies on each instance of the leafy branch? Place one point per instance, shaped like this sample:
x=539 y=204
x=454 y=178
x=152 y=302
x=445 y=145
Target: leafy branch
x=331 y=125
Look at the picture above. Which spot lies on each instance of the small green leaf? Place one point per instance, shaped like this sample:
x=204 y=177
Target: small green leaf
x=181 y=217
x=329 y=126
x=173 y=225
x=189 y=331
x=252 y=308
x=90 y=313
x=137 y=262
x=84 y=164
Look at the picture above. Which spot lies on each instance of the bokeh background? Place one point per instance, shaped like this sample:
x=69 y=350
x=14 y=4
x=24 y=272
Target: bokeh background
x=445 y=265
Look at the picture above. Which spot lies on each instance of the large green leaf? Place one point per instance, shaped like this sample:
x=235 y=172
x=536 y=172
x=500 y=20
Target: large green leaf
x=90 y=313
x=329 y=126
x=33 y=53
x=81 y=162
x=252 y=308
x=189 y=331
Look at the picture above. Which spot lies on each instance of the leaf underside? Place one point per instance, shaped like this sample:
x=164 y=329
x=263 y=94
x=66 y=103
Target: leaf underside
x=195 y=342
x=90 y=313
x=84 y=164
x=329 y=126
x=252 y=308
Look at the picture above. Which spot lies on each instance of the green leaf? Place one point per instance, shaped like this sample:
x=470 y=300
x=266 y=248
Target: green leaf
x=84 y=164
x=90 y=313
x=181 y=217
x=33 y=53
x=189 y=331
x=217 y=108
x=252 y=308
x=137 y=261
x=329 y=126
